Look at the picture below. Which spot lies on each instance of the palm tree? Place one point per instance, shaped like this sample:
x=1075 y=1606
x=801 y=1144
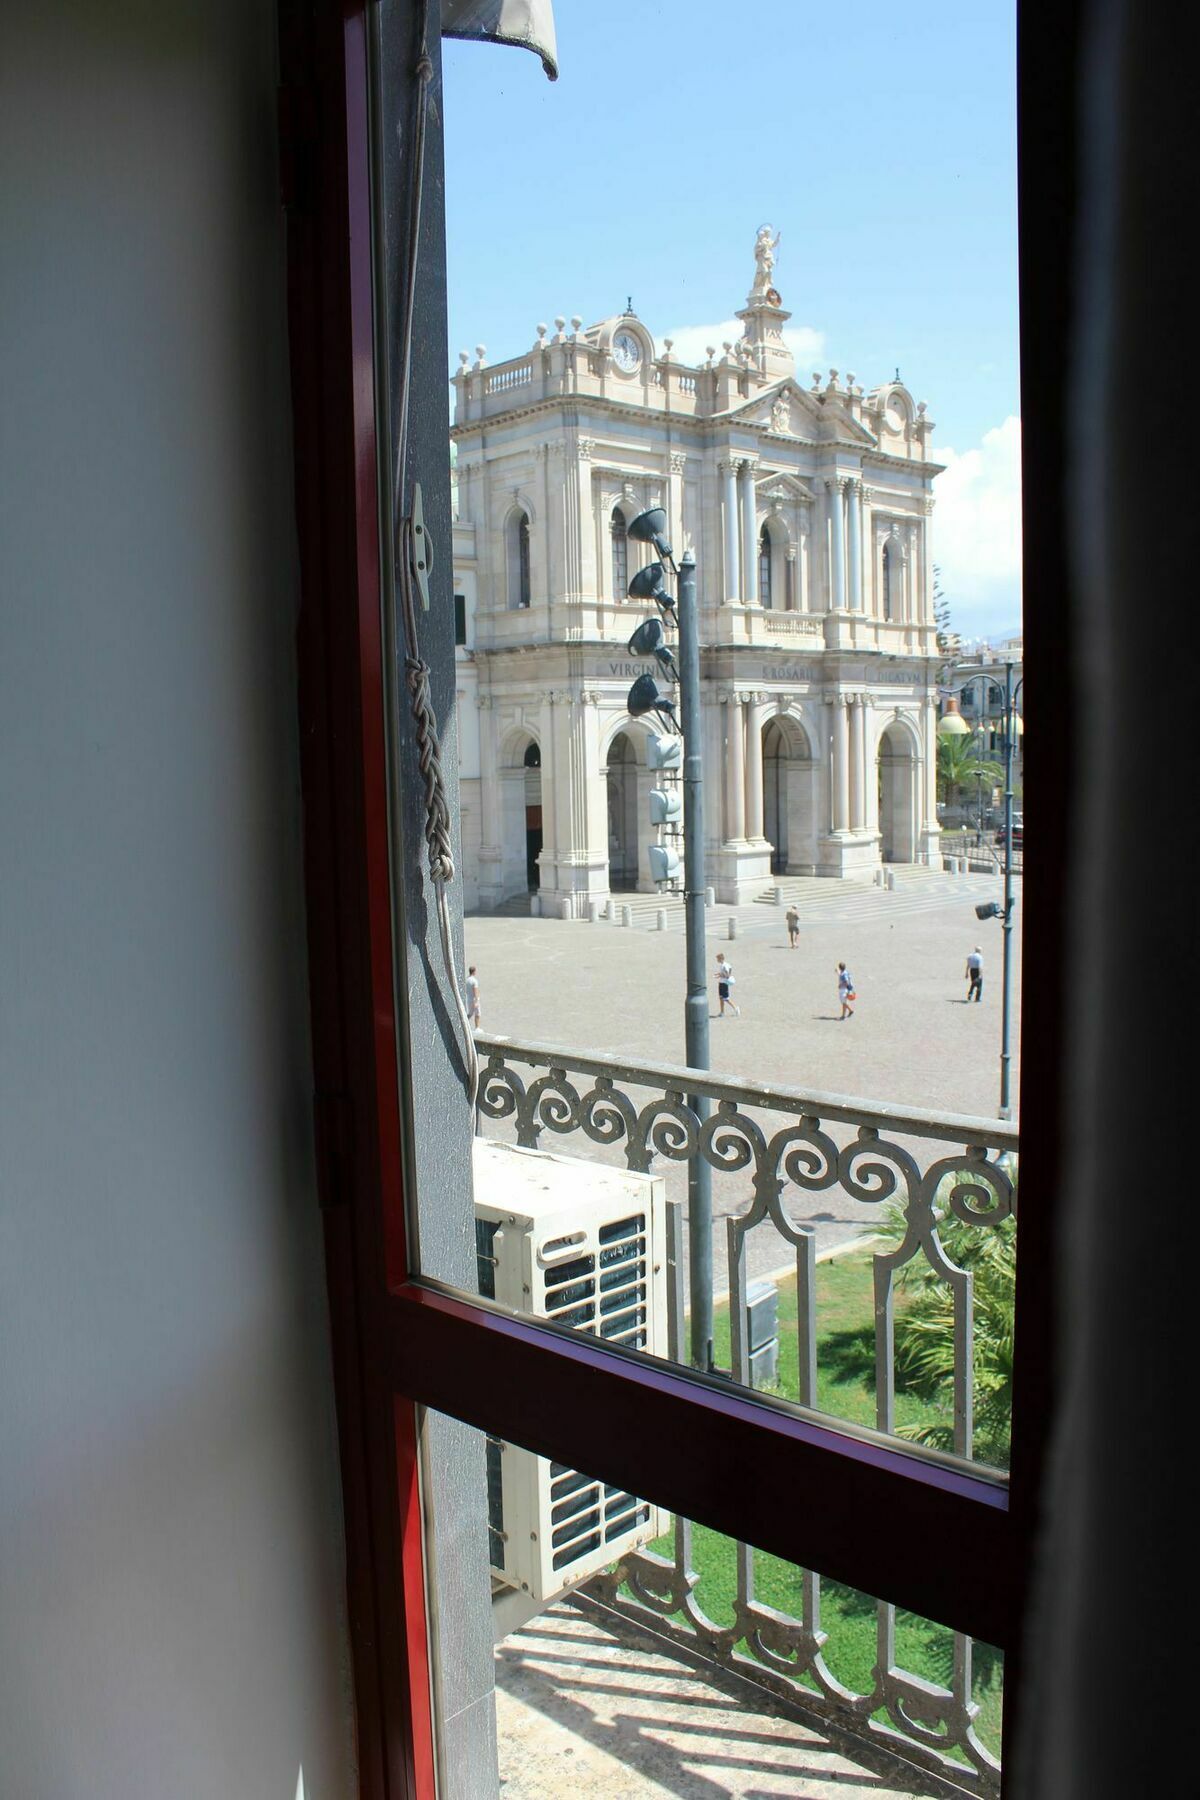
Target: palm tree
x=925 y=1329
x=959 y=762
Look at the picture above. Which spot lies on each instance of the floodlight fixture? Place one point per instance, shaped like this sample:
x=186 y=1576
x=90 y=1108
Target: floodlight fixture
x=989 y=910
x=666 y=808
x=644 y=697
x=664 y=753
x=650 y=527
x=649 y=584
x=648 y=638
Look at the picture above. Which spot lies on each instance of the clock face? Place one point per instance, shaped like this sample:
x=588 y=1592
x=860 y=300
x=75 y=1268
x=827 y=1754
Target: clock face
x=627 y=352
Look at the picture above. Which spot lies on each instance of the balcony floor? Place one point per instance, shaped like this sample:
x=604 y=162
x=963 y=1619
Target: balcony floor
x=583 y=1712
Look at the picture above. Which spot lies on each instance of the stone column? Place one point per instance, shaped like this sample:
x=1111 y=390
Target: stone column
x=858 y=763
x=756 y=714
x=871 y=772
x=735 y=770
x=749 y=536
x=841 y=765
x=729 y=485
x=854 y=598
x=836 y=489
x=924 y=588
x=491 y=812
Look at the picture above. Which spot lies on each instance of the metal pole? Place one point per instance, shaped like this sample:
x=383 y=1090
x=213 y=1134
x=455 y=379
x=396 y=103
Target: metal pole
x=700 y=1257
x=1006 y=923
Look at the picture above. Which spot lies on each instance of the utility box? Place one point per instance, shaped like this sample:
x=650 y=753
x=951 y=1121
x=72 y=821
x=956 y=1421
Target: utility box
x=583 y=1245
x=762 y=1333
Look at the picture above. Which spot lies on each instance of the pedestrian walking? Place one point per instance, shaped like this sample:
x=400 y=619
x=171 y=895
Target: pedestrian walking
x=975 y=974
x=725 y=979
x=473 y=997
x=793 y=925
x=846 y=991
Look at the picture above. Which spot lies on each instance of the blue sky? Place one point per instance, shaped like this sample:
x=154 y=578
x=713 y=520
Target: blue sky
x=881 y=142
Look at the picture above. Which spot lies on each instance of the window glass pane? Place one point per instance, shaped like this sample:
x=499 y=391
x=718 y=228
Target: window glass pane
x=659 y=1655
x=830 y=1217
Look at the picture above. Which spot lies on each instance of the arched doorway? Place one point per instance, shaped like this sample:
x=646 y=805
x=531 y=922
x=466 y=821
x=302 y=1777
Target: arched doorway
x=897 y=795
x=788 y=822
x=622 y=783
x=533 y=815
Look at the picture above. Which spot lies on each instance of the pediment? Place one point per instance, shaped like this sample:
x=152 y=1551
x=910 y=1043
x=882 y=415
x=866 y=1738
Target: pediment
x=788 y=410
x=782 y=487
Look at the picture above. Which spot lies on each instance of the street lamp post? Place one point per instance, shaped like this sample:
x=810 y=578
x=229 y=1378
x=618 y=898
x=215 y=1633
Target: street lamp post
x=650 y=527
x=991 y=910
x=696 y=1012
x=1006 y=919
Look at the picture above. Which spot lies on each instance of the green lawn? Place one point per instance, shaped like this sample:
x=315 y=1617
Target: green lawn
x=846 y=1389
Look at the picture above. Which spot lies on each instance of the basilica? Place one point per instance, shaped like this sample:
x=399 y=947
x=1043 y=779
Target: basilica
x=806 y=503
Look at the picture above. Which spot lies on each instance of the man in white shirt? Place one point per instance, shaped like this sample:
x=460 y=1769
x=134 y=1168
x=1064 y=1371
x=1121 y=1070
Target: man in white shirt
x=975 y=974
x=473 y=997
x=724 y=974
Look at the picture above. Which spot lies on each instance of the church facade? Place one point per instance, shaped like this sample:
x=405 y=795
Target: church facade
x=807 y=508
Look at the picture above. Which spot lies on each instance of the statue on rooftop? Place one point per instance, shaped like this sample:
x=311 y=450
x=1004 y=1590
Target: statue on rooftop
x=765 y=247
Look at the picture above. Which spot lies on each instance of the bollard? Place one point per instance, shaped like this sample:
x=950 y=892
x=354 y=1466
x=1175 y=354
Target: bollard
x=535 y=906
x=891 y=881
x=593 y=911
x=732 y=926
x=627 y=915
x=661 y=917
x=780 y=897
x=710 y=896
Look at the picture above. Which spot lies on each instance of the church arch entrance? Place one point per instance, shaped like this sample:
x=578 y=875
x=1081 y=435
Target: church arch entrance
x=898 y=776
x=789 y=815
x=521 y=815
x=621 y=778
x=532 y=764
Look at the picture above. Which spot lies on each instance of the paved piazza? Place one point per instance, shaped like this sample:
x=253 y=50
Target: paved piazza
x=913 y=1039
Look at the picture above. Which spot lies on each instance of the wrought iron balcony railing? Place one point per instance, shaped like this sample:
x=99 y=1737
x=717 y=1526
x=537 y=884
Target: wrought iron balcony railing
x=778 y=1156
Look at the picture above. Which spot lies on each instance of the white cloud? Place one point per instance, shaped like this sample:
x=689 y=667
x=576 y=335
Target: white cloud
x=690 y=342
x=977 y=531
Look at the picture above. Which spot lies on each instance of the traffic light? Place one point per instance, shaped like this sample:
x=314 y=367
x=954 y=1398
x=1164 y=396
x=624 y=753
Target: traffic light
x=664 y=863
x=666 y=807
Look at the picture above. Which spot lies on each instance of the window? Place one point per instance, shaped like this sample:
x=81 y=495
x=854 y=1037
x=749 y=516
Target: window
x=764 y=566
x=888 y=579
x=620 y=554
x=434 y=1348
x=517 y=540
x=460 y=619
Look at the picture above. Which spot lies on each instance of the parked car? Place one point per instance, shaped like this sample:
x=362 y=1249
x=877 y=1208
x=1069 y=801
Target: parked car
x=1017 y=823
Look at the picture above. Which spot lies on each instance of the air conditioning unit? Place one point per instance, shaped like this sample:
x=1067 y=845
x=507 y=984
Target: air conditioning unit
x=584 y=1245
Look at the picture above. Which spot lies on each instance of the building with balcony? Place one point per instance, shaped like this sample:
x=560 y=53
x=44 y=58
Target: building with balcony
x=808 y=511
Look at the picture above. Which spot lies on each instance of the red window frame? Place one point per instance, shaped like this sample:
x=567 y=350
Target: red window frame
x=398 y=1343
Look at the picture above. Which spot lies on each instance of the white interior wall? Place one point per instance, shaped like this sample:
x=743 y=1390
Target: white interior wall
x=171 y=1583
